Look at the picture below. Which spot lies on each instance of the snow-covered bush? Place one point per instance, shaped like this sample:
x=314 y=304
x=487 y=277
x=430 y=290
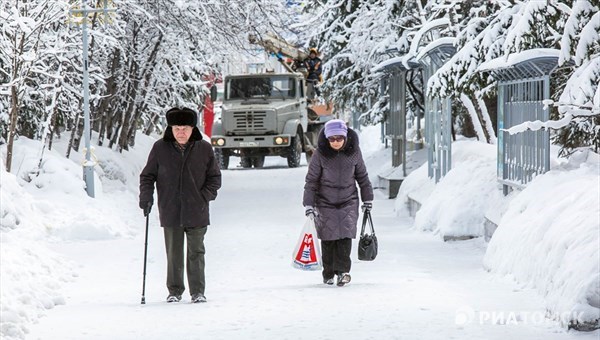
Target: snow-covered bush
x=31 y=275
x=456 y=205
x=549 y=238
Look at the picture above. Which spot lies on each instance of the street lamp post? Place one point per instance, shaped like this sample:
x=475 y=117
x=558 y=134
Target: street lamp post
x=88 y=164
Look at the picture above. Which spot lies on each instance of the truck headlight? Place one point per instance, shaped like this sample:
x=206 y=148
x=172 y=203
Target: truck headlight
x=280 y=140
x=218 y=141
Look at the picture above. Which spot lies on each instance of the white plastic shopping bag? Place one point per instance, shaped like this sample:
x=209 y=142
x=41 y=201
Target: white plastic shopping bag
x=307 y=254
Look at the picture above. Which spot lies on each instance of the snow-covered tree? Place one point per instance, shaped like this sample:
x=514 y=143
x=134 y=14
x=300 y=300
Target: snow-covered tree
x=146 y=58
x=579 y=102
x=28 y=59
x=523 y=25
x=354 y=36
x=167 y=50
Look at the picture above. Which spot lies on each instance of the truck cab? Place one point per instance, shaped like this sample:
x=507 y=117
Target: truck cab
x=262 y=115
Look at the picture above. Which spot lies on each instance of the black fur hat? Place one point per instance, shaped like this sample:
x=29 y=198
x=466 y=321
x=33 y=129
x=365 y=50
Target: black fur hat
x=182 y=117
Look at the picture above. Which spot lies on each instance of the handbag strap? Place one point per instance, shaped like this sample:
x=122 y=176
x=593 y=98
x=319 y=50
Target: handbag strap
x=367 y=219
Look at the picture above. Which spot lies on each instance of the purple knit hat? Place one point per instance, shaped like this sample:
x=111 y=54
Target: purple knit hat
x=336 y=127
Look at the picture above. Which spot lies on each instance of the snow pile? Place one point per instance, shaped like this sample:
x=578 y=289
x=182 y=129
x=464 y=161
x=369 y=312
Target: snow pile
x=549 y=238
x=122 y=171
x=46 y=205
x=376 y=157
x=59 y=194
x=31 y=275
x=455 y=207
x=370 y=139
x=548 y=235
x=417 y=186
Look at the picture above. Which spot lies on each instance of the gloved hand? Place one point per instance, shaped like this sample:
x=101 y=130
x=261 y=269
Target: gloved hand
x=146 y=206
x=367 y=206
x=310 y=212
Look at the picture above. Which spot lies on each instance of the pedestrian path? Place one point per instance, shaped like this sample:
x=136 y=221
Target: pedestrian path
x=418 y=287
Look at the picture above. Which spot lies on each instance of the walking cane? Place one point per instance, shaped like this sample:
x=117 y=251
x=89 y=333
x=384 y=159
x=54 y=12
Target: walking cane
x=145 y=255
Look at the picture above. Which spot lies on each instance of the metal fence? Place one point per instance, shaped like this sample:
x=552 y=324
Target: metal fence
x=438 y=116
x=523 y=155
x=522 y=89
x=397 y=126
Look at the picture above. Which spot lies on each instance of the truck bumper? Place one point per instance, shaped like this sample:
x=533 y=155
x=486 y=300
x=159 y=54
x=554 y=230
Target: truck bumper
x=240 y=142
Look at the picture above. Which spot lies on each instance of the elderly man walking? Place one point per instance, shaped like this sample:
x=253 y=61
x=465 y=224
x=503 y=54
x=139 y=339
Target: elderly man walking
x=187 y=177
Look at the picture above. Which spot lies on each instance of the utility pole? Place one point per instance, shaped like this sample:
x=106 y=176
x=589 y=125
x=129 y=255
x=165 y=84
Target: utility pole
x=88 y=164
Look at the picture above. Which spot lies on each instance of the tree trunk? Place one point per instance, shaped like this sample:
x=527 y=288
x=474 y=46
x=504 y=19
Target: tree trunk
x=124 y=132
x=101 y=130
x=78 y=135
x=131 y=94
x=14 y=114
x=486 y=120
x=147 y=77
x=72 y=139
x=127 y=117
x=492 y=105
x=14 y=100
x=54 y=127
x=103 y=107
x=110 y=130
x=151 y=124
x=474 y=115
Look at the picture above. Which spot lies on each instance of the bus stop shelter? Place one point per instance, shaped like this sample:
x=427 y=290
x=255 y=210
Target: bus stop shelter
x=523 y=85
x=438 y=111
x=395 y=70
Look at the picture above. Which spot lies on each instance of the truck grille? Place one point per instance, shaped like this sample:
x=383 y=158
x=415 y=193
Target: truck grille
x=249 y=122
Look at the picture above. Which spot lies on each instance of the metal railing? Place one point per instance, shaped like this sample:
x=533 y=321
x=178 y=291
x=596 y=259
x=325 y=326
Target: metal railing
x=438 y=137
x=523 y=155
x=397 y=127
x=438 y=116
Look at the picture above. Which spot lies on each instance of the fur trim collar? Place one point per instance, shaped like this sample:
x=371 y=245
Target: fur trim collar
x=350 y=146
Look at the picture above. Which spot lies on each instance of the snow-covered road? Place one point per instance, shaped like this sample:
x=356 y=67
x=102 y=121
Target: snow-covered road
x=418 y=288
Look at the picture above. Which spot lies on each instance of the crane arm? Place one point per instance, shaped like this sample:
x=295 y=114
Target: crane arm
x=274 y=44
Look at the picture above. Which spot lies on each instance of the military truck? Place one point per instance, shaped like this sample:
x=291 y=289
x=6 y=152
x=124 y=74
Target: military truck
x=269 y=114
x=263 y=115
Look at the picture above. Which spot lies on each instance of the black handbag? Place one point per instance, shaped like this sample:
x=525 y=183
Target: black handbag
x=367 y=245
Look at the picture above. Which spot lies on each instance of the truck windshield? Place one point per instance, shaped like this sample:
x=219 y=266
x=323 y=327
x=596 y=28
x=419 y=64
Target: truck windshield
x=274 y=87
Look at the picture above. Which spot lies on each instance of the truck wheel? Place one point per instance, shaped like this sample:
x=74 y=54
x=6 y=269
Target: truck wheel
x=246 y=162
x=258 y=162
x=222 y=158
x=295 y=152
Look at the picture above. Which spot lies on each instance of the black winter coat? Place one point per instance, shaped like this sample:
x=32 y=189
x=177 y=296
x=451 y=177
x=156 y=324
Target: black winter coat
x=313 y=65
x=331 y=187
x=185 y=180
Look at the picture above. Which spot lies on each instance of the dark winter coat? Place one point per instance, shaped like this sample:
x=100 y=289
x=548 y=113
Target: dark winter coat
x=331 y=187
x=313 y=65
x=185 y=180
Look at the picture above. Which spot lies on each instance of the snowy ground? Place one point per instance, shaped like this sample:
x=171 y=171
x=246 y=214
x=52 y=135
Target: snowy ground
x=61 y=248
x=417 y=288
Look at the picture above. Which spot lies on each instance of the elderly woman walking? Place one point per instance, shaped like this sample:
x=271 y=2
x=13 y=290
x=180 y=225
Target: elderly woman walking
x=331 y=196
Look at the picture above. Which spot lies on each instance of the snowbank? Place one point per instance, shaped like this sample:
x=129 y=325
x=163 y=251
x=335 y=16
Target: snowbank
x=42 y=208
x=548 y=235
x=549 y=238
x=376 y=156
x=455 y=207
x=31 y=275
x=417 y=186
